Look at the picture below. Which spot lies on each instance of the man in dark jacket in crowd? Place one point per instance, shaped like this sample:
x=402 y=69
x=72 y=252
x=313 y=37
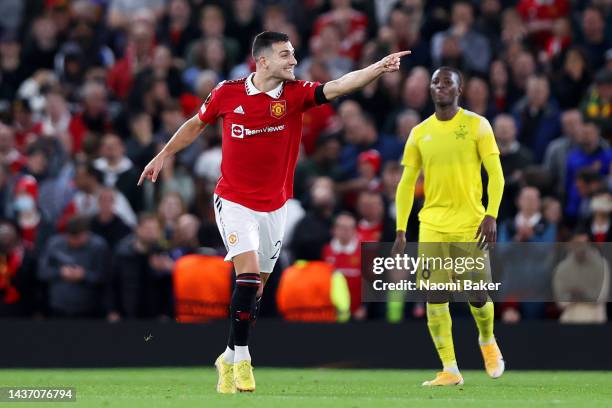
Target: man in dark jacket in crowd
x=141 y=285
x=75 y=267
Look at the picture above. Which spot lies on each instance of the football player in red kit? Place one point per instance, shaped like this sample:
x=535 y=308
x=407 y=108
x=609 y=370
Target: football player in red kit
x=261 y=131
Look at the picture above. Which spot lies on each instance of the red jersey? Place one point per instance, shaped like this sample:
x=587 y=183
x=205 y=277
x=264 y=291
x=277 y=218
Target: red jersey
x=261 y=134
x=347 y=260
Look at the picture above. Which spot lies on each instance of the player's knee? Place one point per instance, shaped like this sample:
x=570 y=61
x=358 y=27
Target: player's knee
x=477 y=298
x=246 y=262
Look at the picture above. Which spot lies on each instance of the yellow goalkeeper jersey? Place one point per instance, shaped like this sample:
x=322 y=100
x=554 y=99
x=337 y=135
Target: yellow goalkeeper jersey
x=450 y=155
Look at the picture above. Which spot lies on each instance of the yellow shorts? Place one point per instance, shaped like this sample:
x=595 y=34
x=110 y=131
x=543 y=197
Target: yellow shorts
x=450 y=258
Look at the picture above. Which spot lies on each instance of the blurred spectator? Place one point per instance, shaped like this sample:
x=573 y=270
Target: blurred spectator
x=9 y=155
x=352 y=25
x=88 y=183
x=529 y=225
x=11 y=15
x=537 y=117
x=325 y=48
x=361 y=134
x=171 y=207
x=477 y=98
x=175 y=178
x=461 y=46
x=185 y=236
x=597 y=105
x=522 y=67
x=323 y=162
x=140 y=146
x=57 y=120
x=176 y=29
x=138 y=55
x=25 y=209
x=171 y=119
x=594 y=40
x=405 y=121
x=26 y=130
x=344 y=253
x=313 y=231
x=581 y=284
x=597 y=226
x=540 y=17
x=368 y=168
x=162 y=70
x=557 y=42
x=75 y=267
x=527 y=280
x=120 y=11
x=555 y=159
x=141 y=287
x=573 y=80
x=498 y=78
x=213 y=50
x=40 y=45
x=415 y=92
x=19 y=289
x=94 y=120
x=590 y=154
x=106 y=223
x=514 y=160
x=245 y=23
x=403 y=32
x=373 y=222
x=78 y=55
x=208 y=164
x=12 y=71
x=119 y=171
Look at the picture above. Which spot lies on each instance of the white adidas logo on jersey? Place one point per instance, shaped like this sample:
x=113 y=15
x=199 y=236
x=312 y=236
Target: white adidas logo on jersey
x=239 y=110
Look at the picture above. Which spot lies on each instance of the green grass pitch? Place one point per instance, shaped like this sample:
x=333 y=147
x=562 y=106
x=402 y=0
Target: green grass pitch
x=320 y=388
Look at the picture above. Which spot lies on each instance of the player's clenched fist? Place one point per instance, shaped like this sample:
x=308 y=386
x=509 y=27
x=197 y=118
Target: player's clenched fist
x=152 y=169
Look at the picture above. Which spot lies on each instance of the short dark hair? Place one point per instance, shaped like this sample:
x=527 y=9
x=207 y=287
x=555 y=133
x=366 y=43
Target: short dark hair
x=265 y=40
x=91 y=170
x=453 y=71
x=78 y=224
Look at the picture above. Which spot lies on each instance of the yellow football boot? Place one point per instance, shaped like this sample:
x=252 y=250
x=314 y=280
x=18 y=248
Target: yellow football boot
x=243 y=376
x=445 y=378
x=225 y=384
x=493 y=359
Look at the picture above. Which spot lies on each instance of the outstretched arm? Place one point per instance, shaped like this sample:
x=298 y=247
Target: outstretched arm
x=356 y=80
x=183 y=137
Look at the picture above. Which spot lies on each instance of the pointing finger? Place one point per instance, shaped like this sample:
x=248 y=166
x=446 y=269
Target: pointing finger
x=402 y=53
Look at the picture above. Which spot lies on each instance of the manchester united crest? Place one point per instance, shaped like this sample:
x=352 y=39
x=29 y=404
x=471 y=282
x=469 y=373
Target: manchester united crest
x=278 y=109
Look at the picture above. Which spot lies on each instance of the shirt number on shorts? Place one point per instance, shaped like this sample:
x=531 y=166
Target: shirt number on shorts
x=277 y=245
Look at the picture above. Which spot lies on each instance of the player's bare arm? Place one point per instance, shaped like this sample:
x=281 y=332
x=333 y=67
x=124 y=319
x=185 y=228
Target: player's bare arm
x=356 y=80
x=487 y=230
x=404 y=199
x=183 y=137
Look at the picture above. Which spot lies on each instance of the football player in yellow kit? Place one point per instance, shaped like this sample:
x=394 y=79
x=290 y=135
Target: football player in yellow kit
x=449 y=148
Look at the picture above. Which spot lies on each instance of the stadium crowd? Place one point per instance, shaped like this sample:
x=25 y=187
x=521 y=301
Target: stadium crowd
x=90 y=90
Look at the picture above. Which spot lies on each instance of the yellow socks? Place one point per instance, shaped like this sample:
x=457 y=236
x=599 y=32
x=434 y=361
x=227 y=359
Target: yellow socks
x=484 y=320
x=440 y=327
